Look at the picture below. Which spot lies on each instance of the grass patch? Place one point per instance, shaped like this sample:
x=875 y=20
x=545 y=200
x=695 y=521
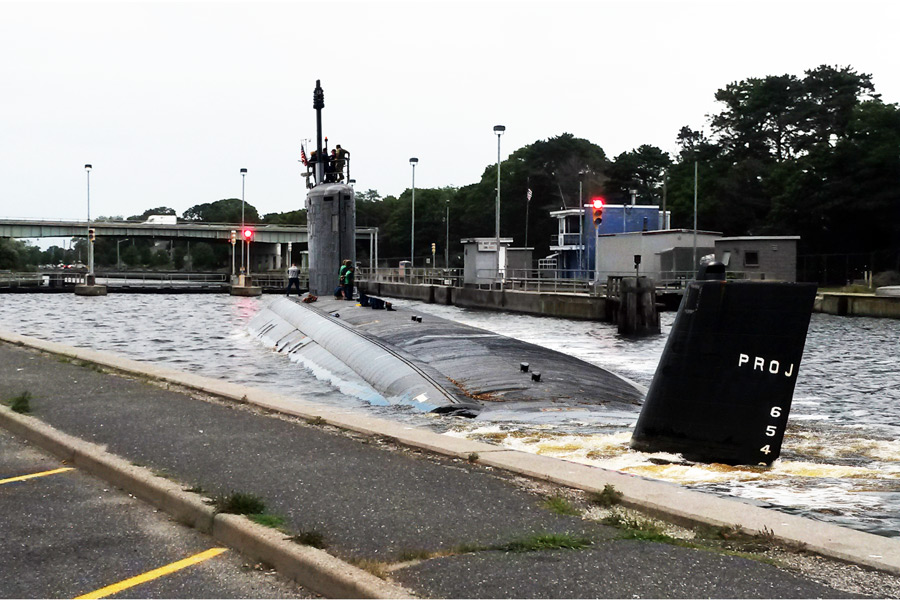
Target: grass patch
x=546 y=541
x=375 y=567
x=273 y=521
x=635 y=528
x=310 y=538
x=64 y=359
x=418 y=554
x=610 y=496
x=561 y=506
x=238 y=503
x=21 y=403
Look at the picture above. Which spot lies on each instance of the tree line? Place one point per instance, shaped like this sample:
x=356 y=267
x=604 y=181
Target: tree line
x=816 y=155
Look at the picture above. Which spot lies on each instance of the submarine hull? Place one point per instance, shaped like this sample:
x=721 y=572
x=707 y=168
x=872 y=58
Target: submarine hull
x=723 y=388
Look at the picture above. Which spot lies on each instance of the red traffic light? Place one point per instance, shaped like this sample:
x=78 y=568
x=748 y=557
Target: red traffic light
x=248 y=235
x=597 y=207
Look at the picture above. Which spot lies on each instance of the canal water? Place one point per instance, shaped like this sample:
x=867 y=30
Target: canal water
x=840 y=460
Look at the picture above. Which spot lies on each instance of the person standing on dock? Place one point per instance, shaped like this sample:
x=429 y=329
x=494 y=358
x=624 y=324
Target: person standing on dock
x=293 y=279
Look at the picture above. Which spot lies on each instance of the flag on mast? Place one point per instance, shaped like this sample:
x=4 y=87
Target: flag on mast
x=303 y=155
x=528 y=196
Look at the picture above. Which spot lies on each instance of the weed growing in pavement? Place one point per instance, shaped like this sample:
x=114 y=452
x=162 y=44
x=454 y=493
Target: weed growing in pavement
x=610 y=496
x=317 y=420
x=21 y=403
x=545 y=541
x=636 y=528
x=561 y=506
x=195 y=489
x=417 y=554
x=239 y=503
x=473 y=457
x=310 y=538
x=64 y=359
x=375 y=567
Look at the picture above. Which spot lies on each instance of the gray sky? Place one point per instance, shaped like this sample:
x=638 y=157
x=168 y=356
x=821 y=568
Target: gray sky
x=169 y=100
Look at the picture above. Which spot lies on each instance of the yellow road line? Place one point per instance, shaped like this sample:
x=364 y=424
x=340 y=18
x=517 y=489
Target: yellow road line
x=154 y=574
x=33 y=475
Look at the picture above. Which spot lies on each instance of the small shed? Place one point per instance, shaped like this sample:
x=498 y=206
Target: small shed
x=480 y=259
x=772 y=258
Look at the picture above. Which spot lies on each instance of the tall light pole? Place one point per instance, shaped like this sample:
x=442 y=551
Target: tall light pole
x=243 y=242
x=694 y=268
x=90 y=244
x=412 y=235
x=498 y=129
x=447 y=245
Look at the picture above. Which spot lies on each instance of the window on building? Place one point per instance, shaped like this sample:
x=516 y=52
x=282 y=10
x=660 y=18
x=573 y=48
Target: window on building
x=751 y=259
x=726 y=257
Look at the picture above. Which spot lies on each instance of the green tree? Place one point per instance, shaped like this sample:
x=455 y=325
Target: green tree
x=222 y=211
x=130 y=256
x=641 y=170
x=202 y=256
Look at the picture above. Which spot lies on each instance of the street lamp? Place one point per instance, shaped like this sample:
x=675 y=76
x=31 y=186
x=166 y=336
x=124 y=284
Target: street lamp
x=243 y=175
x=498 y=129
x=447 y=245
x=412 y=235
x=90 y=244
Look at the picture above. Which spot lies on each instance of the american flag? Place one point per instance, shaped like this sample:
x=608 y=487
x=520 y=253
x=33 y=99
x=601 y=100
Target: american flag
x=303 y=155
x=528 y=196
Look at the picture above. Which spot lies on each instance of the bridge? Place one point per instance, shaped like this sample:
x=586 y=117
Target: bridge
x=188 y=230
x=272 y=234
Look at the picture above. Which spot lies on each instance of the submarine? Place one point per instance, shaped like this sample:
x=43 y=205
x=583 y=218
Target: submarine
x=432 y=364
x=721 y=392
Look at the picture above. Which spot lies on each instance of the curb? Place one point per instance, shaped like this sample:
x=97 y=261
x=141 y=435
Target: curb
x=310 y=567
x=663 y=499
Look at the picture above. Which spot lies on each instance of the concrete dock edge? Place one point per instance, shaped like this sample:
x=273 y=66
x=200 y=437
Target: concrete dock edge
x=662 y=499
x=312 y=568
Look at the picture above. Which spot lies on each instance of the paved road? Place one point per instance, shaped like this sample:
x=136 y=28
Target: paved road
x=66 y=534
x=371 y=501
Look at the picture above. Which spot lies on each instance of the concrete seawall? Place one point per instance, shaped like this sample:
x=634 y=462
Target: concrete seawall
x=858 y=305
x=568 y=306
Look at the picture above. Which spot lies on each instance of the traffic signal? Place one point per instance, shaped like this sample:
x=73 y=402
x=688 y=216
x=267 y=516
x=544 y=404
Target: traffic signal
x=248 y=235
x=433 y=247
x=233 y=237
x=92 y=234
x=597 y=207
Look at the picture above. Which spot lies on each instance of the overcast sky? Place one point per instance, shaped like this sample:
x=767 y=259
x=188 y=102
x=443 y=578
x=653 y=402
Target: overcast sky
x=168 y=101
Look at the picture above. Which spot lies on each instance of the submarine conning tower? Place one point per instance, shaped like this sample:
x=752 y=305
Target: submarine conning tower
x=331 y=216
x=723 y=387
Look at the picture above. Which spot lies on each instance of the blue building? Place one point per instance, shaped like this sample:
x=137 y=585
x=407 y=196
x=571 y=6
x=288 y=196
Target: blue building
x=573 y=247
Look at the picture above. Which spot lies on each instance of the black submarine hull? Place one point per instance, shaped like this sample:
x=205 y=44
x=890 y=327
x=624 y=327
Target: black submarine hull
x=723 y=388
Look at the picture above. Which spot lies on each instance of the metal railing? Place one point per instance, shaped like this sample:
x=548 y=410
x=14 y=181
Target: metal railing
x=567 y=239
x=416 y=276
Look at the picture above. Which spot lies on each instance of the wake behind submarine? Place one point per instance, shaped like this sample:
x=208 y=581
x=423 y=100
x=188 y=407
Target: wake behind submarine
x=721 y=393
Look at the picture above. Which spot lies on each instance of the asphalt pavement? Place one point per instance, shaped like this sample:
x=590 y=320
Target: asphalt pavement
x=370 y=502
x=67 y=534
